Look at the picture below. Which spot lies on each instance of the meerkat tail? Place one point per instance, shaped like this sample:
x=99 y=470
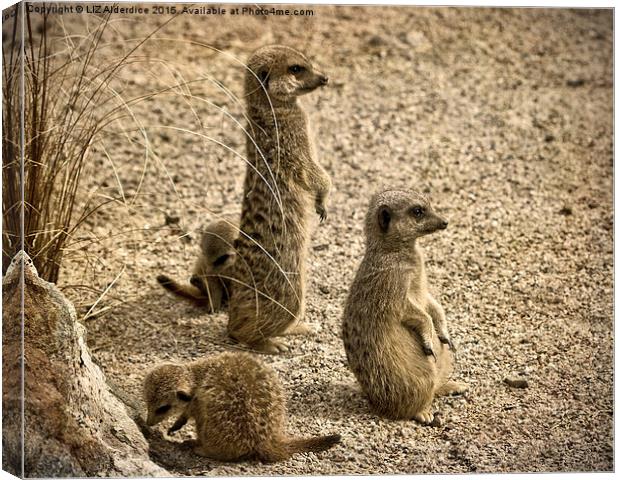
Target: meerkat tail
x=313 y=444
x=186 y=291
x=283 y=449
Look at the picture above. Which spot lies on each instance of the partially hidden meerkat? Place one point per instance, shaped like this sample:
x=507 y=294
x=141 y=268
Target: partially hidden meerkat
x=394 y=331
x=238 y=405
x=283 y=181
x=209 y=286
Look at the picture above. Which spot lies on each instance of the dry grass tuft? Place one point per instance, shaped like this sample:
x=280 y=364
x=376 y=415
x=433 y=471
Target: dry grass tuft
x=66 y=103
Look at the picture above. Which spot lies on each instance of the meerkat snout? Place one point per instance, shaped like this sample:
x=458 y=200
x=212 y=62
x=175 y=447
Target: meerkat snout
x=435 y=222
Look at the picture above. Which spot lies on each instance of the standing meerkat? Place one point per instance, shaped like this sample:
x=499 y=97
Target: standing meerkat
x=237 y=403
x=209 y=286
x=282 y=183
x=394 y=331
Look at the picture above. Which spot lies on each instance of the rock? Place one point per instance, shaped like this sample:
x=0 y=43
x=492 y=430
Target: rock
x=172 y=219
x=74 y=424
x=549 y=138
x=437 y=420
x=418 y=41
x=575 y=82
x=376 y=41
x=516 y=382
x=566 y=210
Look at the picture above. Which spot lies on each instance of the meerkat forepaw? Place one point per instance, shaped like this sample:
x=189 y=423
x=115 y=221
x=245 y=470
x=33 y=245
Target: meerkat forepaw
x=178 y=424
x=321 y=210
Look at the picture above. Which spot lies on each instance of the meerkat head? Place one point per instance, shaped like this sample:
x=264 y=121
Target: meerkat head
x=283 y=73
x=217 y=243
x=167 y=391
x=396 y=218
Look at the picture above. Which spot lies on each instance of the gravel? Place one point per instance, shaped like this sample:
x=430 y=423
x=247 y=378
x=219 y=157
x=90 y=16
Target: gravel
x=503 y=116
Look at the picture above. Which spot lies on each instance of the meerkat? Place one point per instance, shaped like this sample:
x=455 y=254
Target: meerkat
x=209 y=286
x=238 y=405
x=283 y=180
x=394 y=331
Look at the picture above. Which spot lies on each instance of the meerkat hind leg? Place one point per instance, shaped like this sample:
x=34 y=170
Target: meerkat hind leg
x=425 y=417
x=298 y=328
x=452 y=388
x=214 y=453
x=270 y=346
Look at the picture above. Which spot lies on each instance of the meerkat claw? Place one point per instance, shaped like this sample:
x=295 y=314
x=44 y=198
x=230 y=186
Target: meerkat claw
x=428 y=351
x=447 y=341
x=320 y=209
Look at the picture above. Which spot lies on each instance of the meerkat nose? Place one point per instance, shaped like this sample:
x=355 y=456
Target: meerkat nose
x=444 y=224
x=324 y=79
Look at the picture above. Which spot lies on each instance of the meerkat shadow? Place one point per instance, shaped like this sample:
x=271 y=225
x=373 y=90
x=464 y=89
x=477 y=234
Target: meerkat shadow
x=176 y=457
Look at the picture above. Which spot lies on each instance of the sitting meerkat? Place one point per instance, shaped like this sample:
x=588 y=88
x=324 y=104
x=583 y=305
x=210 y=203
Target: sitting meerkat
x=238 y=405
x=394 y=331
x=209 y=286
x=283 y=182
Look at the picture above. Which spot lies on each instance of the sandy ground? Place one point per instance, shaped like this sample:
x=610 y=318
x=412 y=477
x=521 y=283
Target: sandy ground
x=503 y=116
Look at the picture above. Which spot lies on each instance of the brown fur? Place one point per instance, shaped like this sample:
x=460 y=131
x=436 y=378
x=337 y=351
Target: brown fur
x=238 y=405
x=209 y=286
x=394 y=331
x=282 y=183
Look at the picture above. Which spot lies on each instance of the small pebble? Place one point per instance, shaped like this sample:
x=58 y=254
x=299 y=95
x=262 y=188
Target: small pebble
x=575 y=82
x=437 y=421
x=172 y=219
x=516 y=382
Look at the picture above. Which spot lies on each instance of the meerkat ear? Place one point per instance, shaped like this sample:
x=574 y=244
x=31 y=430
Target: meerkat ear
x=384 y=217
x=183 y=396
x=263 y=76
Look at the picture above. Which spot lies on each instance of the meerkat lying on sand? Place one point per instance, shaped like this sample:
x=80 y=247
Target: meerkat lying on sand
x=238 y=405
x=394 y=331
x=209 y=286
x=283 y=182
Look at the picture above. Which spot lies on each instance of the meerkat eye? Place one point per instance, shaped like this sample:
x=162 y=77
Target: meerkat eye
x=221 y=260
x=184 y=397
x=296 y=69
x=417 y=212
x=163 y=409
